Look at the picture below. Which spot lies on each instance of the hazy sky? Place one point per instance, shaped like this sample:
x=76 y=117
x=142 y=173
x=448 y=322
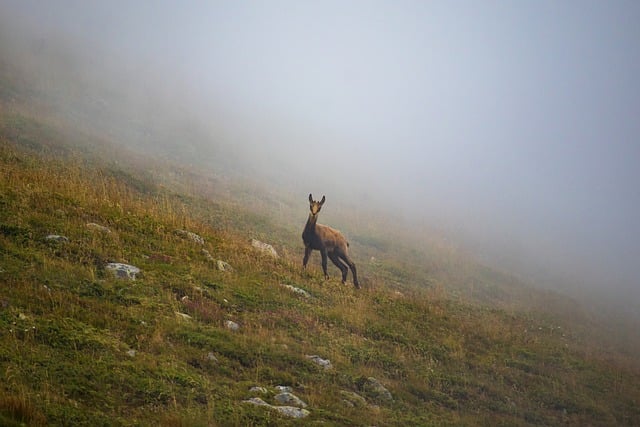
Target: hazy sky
x=515 y=123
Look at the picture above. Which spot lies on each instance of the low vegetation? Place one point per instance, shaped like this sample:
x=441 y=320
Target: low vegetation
x=453 y=343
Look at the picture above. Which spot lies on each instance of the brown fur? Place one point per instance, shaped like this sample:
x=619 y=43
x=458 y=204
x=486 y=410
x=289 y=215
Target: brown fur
x=329 y=241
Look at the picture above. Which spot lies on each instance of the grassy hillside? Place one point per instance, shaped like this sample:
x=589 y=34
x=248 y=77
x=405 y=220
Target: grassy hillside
x=454 y=343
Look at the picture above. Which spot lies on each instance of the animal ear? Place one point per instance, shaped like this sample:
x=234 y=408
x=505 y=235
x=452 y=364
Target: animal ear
x=322 y=201
x=310 y=198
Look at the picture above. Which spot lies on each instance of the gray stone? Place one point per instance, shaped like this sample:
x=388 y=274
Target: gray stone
x=292 y=411
x=290 y=399
x=223 y=266
x=191 y=236
x=57 y=238
x=352 y=399
x=230 y=324
x=325 y=363
x=374 y=389
x=264 y=247
x=289 y=411
x=207 y=255
x=123 y=271
x=184 y=316
x=131 y=353
x=257 y=389
x=212 y=357
x=98 y=227
x=284 y=388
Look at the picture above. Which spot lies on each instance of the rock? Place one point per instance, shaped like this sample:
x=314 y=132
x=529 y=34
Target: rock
x=257 y=401
x=325 y=363
x=230 y=324
x=264 y=247
x=98 y=227
x=123 y=271
x=374 y=389
x=207 y=255
x=289 y=411
x=284 y=388
x=223 y=266
x=212 y=357
x=191 y=236
x=260 y=390
x=297 y=290
x=131 y=353
x=184 y=316
x=290 y=399
x=352 y=399
x=57 y=238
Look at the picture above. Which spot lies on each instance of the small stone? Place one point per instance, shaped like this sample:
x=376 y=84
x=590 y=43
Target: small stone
x=183 y=315
x=352 y=399
x=284 y=388
x=260 y=390
x=230 y=324
x=98 y=227
x=123 y=271
x=223 y=266
x=291 y=411
x=374 y=389
x=325 y=363
x=290 y=399
x=207 y=255
x=131 y=353
x=264 y=247
x=57 y=238
x=191 y=236
x=296 y=290
x=257 y=401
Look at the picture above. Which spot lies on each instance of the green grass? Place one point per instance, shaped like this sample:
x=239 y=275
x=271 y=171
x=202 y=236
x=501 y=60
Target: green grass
x=68 y=328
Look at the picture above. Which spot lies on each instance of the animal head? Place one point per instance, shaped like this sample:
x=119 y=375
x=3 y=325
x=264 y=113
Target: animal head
x=314 y=206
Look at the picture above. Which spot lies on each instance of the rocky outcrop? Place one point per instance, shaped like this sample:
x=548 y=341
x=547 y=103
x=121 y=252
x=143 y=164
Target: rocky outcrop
x=123 y=271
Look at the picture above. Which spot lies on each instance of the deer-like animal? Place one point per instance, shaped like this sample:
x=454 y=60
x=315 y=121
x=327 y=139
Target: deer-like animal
x=330 y=242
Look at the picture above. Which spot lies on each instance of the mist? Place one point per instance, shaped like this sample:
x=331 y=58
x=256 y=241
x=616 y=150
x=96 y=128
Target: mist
x=510 y=127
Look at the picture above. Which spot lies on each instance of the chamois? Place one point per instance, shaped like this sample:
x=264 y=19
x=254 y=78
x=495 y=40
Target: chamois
x=330 y=242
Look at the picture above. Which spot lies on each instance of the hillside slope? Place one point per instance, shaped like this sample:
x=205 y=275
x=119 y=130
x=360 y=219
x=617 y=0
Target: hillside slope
x=185 y=342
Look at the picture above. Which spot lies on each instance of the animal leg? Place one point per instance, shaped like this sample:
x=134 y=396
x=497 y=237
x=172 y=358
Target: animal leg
x=307 y=253
x=352 y=266
x=336 y=260
x=323 y=252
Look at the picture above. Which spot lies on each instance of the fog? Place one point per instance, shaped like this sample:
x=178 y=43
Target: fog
x=512 y=127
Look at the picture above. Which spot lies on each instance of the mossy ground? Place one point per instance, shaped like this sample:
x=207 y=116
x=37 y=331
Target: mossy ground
x=67 y=326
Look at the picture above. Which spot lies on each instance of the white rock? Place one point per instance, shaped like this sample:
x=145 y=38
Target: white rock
x=230 y=324
x=57 y=238
x=264 y=247
x=296 y=290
